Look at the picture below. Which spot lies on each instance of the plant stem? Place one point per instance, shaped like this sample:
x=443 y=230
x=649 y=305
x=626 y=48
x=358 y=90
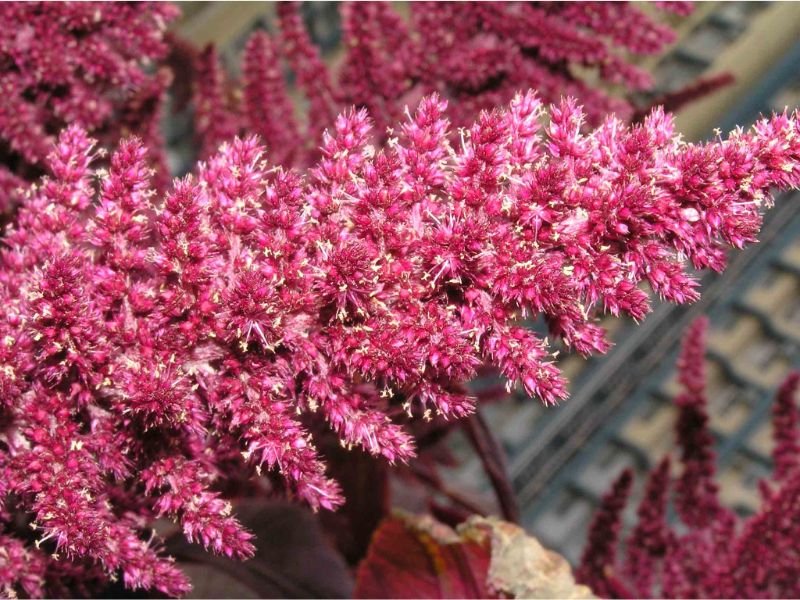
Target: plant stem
x=494 y=463
x=434 y=481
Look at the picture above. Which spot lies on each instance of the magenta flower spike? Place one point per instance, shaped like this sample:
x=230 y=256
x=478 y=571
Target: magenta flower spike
x=713 y=553
x=150 y=339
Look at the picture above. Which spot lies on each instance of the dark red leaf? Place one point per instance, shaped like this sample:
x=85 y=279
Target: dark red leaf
x=420 y=558
x=293 y=559
x=417 y=557
x=364 y=482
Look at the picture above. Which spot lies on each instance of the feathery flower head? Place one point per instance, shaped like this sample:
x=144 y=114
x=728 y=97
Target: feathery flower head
x=152 y=338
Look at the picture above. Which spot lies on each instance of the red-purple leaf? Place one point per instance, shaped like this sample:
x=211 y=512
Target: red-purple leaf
x=420 y=558
x=293 y=559
x=364 y=481
x=417 y=557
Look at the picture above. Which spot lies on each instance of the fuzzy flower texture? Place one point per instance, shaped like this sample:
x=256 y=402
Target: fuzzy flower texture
x=75 y=62
x=477 y=55
x=156 y=349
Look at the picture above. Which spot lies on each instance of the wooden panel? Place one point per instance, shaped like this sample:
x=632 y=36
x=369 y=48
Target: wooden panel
x=220 y=23
x=772 y=33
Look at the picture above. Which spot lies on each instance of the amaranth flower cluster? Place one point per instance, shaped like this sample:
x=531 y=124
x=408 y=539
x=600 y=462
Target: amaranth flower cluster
x=158 y=348
x=75 y=62
x=477 y=55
